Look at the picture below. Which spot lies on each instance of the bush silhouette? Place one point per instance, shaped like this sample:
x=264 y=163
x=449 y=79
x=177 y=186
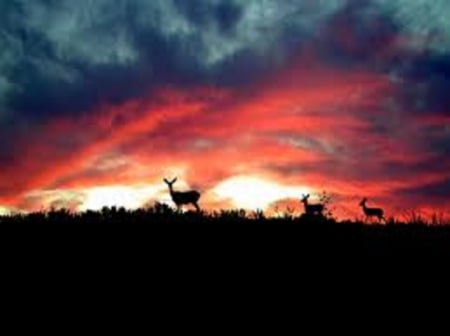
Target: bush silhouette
x=308 y=231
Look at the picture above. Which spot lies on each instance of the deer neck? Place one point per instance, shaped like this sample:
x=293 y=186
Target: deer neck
x=365 y=208
x=171 y=190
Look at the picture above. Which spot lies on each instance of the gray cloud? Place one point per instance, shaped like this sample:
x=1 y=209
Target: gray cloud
x=66 y=56
x=77 y=51
x=427 y=22
x=431 y=194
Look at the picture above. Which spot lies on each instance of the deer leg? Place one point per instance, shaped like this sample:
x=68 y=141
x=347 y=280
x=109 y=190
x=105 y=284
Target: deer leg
x=196 y=206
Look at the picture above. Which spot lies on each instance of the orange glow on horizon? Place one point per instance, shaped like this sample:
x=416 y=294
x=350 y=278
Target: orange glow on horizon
x=254 y=193
x=301 y=131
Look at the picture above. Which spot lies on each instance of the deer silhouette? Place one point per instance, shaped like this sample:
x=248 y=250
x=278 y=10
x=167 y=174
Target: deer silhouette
x=312 y=209
x=183 y=197
x=372 y=212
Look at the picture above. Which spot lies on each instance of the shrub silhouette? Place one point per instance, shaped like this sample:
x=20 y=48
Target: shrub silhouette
x=311 y=232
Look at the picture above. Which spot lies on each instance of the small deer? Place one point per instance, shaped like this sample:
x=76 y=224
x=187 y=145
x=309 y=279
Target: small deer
x=183 y=197
x=312 y=209
x=372 y=212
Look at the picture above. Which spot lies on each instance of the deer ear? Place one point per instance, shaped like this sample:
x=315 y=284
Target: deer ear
x=165 y=180
x=174 y=180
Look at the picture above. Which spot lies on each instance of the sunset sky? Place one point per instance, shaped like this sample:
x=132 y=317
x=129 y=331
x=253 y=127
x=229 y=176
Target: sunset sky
x=251 y=102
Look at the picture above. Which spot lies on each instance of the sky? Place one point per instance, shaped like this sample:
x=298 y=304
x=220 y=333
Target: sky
x=251 y=102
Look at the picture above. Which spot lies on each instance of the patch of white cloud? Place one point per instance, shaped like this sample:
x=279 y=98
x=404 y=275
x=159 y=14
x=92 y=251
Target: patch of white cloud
x=5 y=88
x=37 y=200
x=55 y=71
x=257 y=29
x=261 y=26
x=89 y=31
x=425 y=23
x=7 y=211
x=252 y=192
x=99 y=32
x=97 y=29
x=10 y=53
x=130 y=197
x=311 y=144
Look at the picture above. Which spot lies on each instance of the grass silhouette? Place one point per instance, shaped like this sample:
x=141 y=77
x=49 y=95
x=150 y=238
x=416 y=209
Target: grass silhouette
x=160 y=225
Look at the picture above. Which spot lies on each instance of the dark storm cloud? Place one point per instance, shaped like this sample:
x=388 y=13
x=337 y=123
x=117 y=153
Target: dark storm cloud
x=66 y=56
x=436 y=190
x=427 y=82
x=430 y=194
x=225 y=14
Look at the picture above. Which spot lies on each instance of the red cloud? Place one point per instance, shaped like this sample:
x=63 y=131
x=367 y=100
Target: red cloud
x=305 y=126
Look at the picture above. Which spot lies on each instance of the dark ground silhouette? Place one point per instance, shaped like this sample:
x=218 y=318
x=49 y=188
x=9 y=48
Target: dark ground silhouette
x=228 y=231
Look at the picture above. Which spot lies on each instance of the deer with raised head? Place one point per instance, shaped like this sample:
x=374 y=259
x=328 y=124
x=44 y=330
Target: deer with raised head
x=312 y=209
x=372 y=212
x=183 y=197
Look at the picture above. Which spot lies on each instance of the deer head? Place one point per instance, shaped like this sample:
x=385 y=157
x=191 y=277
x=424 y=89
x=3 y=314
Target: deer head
x=170 y=183
x=363 y=202
x=305 y=198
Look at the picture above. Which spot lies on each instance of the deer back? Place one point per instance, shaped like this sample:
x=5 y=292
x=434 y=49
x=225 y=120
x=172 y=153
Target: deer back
x=373 y=211
x=315 y=207
x=182 y=197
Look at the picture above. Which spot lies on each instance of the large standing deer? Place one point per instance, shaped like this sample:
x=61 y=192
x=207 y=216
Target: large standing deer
x=372 y=212
x=183 y=197
x=312 y=209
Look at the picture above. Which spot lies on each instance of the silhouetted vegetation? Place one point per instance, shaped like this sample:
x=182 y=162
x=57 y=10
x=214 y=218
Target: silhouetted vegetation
x=309 y=232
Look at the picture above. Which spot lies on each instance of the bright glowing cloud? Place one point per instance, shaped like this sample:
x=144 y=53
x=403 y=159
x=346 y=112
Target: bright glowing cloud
x=4 y=211
x=120 y=196
x=251 y=192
